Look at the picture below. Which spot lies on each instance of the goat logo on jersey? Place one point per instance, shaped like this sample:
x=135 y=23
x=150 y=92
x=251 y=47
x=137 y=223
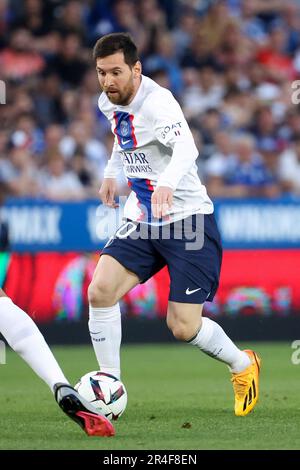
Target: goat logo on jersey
x=175 y=127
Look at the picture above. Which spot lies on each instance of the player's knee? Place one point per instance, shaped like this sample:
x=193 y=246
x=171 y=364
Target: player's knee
x=101 y=294
x=181 y=331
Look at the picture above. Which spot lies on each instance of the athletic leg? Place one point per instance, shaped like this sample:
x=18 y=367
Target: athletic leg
x=187 y=324
x=24 y=337
x=110 y=282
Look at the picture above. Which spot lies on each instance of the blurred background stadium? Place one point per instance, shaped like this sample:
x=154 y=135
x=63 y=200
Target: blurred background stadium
x=233 y=65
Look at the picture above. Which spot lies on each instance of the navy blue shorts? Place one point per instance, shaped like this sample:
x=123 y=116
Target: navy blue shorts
x=190 y=248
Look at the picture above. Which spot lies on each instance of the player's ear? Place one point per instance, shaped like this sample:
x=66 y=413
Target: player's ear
x=137 y=69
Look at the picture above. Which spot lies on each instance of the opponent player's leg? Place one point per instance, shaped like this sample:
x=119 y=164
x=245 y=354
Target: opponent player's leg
x=110 y=282
x=187 y=324
x=24 y=337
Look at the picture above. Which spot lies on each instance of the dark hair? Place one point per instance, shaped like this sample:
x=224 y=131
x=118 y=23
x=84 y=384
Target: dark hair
x=116 y=42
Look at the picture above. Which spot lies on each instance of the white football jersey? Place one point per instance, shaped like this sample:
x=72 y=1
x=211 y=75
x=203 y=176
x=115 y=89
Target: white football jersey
x=155 y=147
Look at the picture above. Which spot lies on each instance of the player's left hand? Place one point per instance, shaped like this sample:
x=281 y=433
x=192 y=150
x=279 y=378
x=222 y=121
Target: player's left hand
x=161 y=201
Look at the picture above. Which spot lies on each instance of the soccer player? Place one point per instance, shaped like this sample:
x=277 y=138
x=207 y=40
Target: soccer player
x=24 y=337
x=166 y=208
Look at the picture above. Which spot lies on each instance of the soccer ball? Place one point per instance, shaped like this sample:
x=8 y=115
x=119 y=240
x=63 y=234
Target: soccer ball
x=105 y=392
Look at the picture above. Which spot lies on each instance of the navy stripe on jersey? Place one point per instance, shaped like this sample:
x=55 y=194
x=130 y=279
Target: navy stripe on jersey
x=124 y=130
x=143 y=190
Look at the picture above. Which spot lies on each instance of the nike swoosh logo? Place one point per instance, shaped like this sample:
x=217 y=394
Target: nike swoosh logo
x=124 y=142
x=95 y=333
x=189 y=292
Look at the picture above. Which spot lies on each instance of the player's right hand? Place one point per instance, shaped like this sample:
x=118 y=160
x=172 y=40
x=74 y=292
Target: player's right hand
x=107 y=192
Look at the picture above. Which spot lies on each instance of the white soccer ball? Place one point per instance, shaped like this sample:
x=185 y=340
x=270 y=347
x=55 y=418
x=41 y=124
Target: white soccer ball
x=105 y=392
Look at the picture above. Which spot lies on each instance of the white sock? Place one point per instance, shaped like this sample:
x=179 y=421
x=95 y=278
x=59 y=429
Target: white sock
x=214 y=342
x=105 y=331
x=25 y=338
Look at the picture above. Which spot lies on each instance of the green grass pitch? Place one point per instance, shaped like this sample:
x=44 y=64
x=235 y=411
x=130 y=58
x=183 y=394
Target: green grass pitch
x=178 y=399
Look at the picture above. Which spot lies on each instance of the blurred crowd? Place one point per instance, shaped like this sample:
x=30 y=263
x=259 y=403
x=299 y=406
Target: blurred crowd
x=233 y=66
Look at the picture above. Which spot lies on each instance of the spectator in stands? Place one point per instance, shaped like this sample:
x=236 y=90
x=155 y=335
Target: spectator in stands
x=234 y=47
x=27 y=134
x=220 y=165
x=47 y=100
x=291 y=125
x=238 y=108
x=71 y=17
x=250 y=176
x=289 y=167
x=236 y=58
x=54 y=134
x=68 y=64
x=4 y=139
x=264 y=124
x=18 y=173
x=239 y=171
x=80 y=136
x=20 y=60
x=205 y=92
x=34 y=18
x=213 y=25
x=84 y=171
x=274 y=57
x=164 y=58
x=252 y=26
x=186 y=30
x=269 y=149
x=57 y=183
x=6 y=17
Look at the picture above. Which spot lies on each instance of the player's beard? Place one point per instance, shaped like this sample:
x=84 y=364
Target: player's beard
x=123 y=97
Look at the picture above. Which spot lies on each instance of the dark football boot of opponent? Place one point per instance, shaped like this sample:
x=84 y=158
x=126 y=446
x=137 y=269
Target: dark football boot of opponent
x=82 y=412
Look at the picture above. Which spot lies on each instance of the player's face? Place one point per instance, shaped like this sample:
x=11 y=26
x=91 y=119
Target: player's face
x=117 y=79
